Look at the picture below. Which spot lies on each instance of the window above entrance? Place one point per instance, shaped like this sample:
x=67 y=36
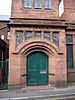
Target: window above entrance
x=47 y=35
x=28 y=35
x=37 y=34
x=37 y=4
x=56 y=38
x=34 y=35
x=19 y=38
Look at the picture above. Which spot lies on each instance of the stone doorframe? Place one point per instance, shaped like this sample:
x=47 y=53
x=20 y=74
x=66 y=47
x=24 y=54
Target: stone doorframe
x=50 y=50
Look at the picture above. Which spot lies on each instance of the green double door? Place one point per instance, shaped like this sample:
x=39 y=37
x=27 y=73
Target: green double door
x=37 y=69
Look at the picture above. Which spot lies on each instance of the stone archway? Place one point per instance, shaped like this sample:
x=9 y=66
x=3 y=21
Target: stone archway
x=28 y=49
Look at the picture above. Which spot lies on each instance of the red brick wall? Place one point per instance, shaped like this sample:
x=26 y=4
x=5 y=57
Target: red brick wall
x=69 y=13
x=4 y=30
x=69 y=16
x=18 y=10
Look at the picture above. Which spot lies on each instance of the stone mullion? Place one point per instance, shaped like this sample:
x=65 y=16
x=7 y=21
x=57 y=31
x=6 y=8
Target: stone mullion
x=24 y=36
x=33 y=34
x=42 y=4
x=42 y=35
x=32 y=4
x=51 y=37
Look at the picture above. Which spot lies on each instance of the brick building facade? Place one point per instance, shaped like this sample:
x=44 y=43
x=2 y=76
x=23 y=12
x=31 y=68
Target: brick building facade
x=4 y=37
x=4 y=51
x=4 y=30
x=42 y=43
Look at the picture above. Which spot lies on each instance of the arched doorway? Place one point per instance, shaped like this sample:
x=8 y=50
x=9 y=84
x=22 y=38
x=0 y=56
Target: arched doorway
x=37 y=69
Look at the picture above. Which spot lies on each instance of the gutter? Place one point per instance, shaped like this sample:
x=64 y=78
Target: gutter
x=3 y=27
x=36 y=25
x=22 y=18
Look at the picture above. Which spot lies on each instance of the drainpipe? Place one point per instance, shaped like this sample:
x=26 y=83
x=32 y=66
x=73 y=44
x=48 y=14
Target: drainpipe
x=2 y=55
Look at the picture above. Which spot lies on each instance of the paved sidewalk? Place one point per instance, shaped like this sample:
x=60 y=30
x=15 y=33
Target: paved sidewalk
x=36 y=93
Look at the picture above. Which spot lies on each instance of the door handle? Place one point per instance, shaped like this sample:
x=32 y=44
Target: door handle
x=51 y=74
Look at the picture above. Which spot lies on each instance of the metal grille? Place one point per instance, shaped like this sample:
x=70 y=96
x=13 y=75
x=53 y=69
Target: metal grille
x=3 y=74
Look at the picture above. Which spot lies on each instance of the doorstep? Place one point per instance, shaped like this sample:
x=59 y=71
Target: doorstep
x=36 y=87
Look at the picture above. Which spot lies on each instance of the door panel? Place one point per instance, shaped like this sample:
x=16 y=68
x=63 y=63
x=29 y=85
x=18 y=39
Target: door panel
x=31 y=70
x=42 y=69
x=70 y=64
x=3 y=75
x=37 y=69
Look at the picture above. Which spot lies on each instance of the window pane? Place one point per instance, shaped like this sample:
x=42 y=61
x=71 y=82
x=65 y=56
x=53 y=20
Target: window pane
x=28 y=3
x=38 y=3
x=8 y=35
x=38 y=34
x=56 y=38
x=69 y=39
x=69 y=56
x=28 y=35
x=19 y=38
x=47 y=35
x=2 y=36
x=48 y=4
